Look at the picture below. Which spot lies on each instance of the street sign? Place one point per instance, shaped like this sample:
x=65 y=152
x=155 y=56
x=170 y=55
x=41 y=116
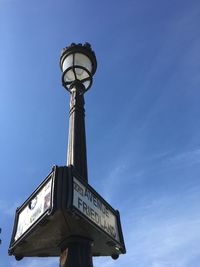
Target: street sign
x=39 y=204
x=63 y=206
x=91 y=205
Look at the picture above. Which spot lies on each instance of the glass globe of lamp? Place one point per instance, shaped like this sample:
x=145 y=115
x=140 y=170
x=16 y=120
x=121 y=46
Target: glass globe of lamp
x=78 y=64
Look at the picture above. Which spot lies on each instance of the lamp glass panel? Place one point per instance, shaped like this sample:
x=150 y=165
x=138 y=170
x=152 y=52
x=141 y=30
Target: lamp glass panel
x=86 y=84
x=83 y=60
x=69 y=76
x=81 y=74
x=68 y=62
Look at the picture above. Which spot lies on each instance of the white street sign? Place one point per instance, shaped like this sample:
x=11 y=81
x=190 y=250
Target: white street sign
x=36 y=207
x=94 y=209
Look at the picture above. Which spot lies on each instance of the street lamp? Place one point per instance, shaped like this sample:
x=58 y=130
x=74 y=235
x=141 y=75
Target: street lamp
x=65 y=216
x=78 y=64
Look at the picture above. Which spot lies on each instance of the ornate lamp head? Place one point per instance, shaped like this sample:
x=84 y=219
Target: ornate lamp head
x=78 y=64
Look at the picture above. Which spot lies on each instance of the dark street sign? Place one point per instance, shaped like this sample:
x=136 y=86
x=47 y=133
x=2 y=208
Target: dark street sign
x=62 y=206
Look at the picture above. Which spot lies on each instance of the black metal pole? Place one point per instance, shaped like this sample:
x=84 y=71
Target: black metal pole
x=76 y=154
x=77 y=251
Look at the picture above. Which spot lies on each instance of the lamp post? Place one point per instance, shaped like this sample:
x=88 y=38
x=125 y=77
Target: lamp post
x=65 y=216
x=78 y=64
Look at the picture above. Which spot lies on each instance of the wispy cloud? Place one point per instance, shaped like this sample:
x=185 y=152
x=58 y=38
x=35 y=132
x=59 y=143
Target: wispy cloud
x=189 y=157
x=112 y=180
x=162 y=232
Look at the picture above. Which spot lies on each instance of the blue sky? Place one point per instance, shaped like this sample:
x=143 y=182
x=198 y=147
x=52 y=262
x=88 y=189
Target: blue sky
x=142 y=118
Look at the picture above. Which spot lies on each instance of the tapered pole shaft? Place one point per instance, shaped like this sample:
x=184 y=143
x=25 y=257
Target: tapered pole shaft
x=76 y=154
x=77 y=251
